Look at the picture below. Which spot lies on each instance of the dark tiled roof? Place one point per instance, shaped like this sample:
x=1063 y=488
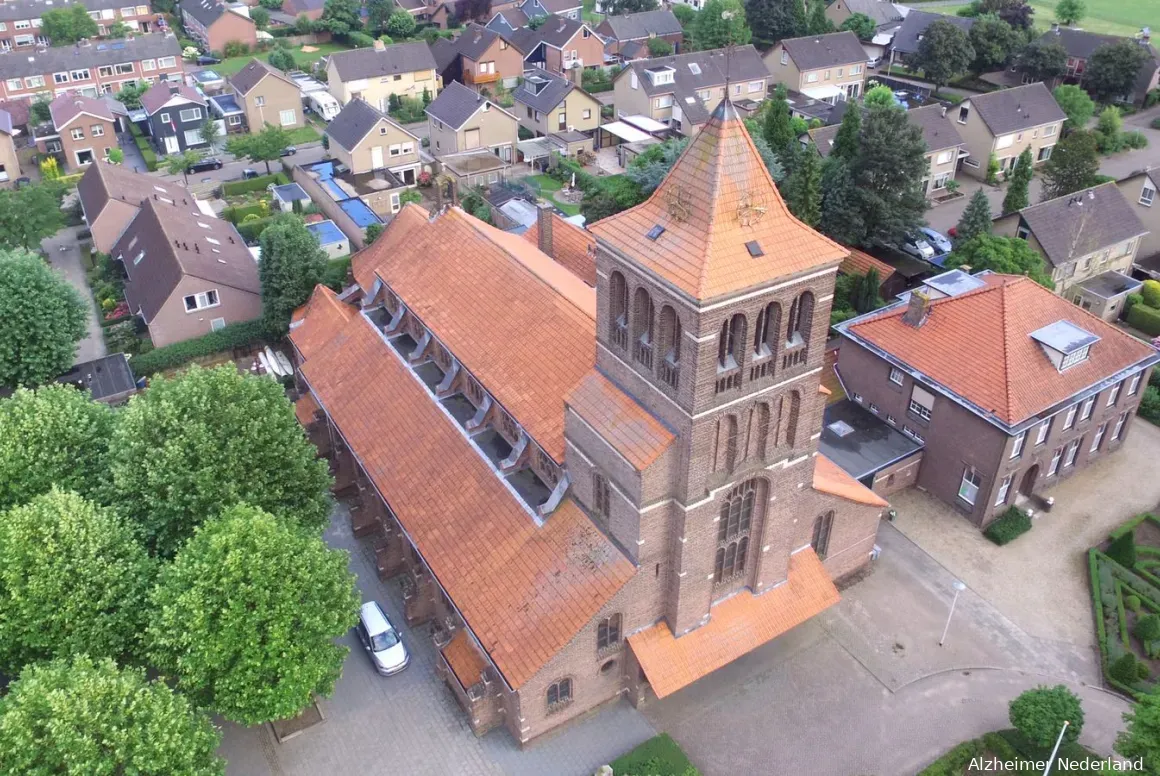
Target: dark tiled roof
x=906 y=40
x=445 y=52
x=549 y=96
x=369 y=62
x=524 y=39
x=353 y=123
x=937 y=129
x=205 y=11
x=25 y=62
x=17 y=111
x=745 y=64
x=1082 y=223
x=104 y=378
x=456 y=104
x=1023 y=107
x=551 y=6
x=302 y=6
x=254 y=71
x=1078 y=43
x=883 y=12
x=514 y=18
x=16 y=10
x=833 y=50
x=634 y=26
x=475 y=40
x=103 y=182
x=164 y=91
x=558 y=30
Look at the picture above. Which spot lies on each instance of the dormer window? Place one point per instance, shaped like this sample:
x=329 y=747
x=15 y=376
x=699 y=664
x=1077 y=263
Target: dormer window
x=1075 y=357
x=661 y=75
x=1064 y=343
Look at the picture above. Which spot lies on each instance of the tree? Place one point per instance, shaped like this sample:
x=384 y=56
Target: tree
x=944 y=52
x=774 y=20
x=1009 y=255
x=73 y=580
x=659 y=47
x=1122 y=549
x=772 y=163
x=778 y=129
x=816 y=21
x=619 y=7
x=88 y=716
x=976 y=218
x=1074 y=165
x=841 y=217
x=116 y=155
x=260 y=16
x=1141 y=738
x=195 y=444
x=292 y=265
x=1043 y=61
x=304 y=25
x=39 y=112
x=536 y=22
x=341 y=16
x=400 y=25
x=246 y=615
x=271 y=5
x=1112 y=69
x=130 y=94
x=1018 y=195
x=1070 y=11
x=847 y=141
x=182 y=163
x=995 y=44
x=721 y=23
x=684 y=13
x=1039 y=715
x=865 y=296
x=266 y=146
x=378 y=12
x=803 y=190
x=67 y=25
x=29 y=214
x=210 y=132
x=880 y=96
x=283 y=60
x=42 y=318
x=1076 y=103
x=1017 y=13
x=888 y=175
x=861 y=25
x=52 y=435
x=119 y=29
x=373 y=232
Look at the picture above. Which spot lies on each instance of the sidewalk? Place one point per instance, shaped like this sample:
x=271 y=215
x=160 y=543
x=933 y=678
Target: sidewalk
x=68 y=263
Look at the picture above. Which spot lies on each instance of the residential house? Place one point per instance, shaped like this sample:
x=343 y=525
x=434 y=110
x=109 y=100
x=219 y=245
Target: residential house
x=20 y=19
x=577 y=464
x=187 y=273
x=311 y=9
x=268 y=96
x=481 y=58
x=1139 y=189
x=90 y=68
x=1081 y=44
x=111 y=195
x=366 y=140
x=462 y=119
x=229 y=111
x=214 y=24
x=9 y=161
x=826 y=67
x=1001 y=124
x=374 y=74
x=626 y=36
x=681 y=90
x=435 y=13
x=564 y=43
x=548 y=104
x=82 y=131
x=909 y=36
x=1048 y=387
x=1088 y=241
x=175 y=114
x=884 y=13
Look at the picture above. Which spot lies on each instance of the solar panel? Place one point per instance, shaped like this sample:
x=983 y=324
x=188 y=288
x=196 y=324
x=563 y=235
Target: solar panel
x=754 y=248
x=655 y=232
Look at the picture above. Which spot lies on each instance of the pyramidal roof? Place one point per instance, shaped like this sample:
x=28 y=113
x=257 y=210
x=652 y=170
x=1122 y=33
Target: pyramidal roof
x=717 y=224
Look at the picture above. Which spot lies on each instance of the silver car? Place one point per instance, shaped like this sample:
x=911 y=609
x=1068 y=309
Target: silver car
x=917 y=247
x=381 y=641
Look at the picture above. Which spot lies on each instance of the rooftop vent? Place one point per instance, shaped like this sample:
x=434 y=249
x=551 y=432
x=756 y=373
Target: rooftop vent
x=655 y=232
x=754 y=248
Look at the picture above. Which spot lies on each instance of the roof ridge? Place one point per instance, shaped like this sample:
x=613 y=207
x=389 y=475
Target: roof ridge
x=1008 y=387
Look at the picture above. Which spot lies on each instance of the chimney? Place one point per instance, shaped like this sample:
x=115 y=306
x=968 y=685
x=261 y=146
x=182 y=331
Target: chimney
x=544 y=222
x=380 y=46
x=918 y=308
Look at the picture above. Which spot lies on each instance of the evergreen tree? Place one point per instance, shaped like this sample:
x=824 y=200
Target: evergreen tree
x=865 y=294
x=816 y=22
x=774 y=20
x=1123 y=549
x=847 y=142
x=804 y=189
x=841 y=218
x=721 y=23
x=976 y=219
x=1074 y=165
x=778 y=128
x=292 y=265
x=1020 y=181
x=888 y=174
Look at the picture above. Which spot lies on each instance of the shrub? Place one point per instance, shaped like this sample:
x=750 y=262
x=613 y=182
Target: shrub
x=1135 y=139
x=180 y=353
x=1040 y=713
x=1150 y=405
x=1145 y=318
x=1132 y=300
x=239 y=214
x=360 y=39
x=1123 y=549
x=1132 y=602
x=234 y=188
x=1148 y=628
x=1124 y=669
x=1155 y=123
x=335 y=275
x=1009 y=526
x=235 y=48
x=1151 y=293
x=252 y=230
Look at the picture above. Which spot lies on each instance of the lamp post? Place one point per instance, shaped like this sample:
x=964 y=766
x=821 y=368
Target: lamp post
x=1055 y=749
x=959 y=587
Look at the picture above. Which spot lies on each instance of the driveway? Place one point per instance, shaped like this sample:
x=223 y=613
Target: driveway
x=68 y=263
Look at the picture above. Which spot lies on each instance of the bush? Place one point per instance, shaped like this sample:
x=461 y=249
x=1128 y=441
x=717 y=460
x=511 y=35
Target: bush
x=180 y=353
x=1145 y=318
x=658 y=756
x=1151 y=293
x=1150 y=405
x=234 y=188
x=360 y=39
x=1039 y=714
x=1132 y=300
x=1147 y=628
x=1123 y=549
x=252 y=230
x=1155 y=123
x=335 y=275
x=1132 y=603
x=1124 y=669
x=241 y=213
x=235 y=48
x=1135 y=140
x=1009 y=526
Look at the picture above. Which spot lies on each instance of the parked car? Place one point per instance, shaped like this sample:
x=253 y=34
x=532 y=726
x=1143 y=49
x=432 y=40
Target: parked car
x=208 y=163
x=873 y=62
x=289 y=151
x=936 y=239
x=381 y=641
x=917 y=247
x=208 y=59
x=249 y=173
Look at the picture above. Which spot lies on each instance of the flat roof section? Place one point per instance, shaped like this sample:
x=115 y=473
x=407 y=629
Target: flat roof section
x=861 y=442
x=326 y=232
x=1111 y=283
x=108 y=379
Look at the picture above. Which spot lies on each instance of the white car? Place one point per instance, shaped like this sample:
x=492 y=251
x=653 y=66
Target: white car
x=381 y=641
x=917 y=247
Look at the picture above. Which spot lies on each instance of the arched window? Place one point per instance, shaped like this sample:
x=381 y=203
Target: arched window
x=732 y=342
x=737 y=511
x=642 y=327
x=791 y=421
x=608 y=633
x=801 y=315
x=730 y=429
x=669 y=345
x=761 y=430
x=821 y=540
x=559 y=694
x=600 y=495
x=768 y=330
x=618 y=309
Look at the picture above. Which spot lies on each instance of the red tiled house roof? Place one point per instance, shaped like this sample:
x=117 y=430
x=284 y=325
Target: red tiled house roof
x=573 y=247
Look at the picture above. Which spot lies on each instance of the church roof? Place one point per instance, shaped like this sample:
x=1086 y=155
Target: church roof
x=717 y=224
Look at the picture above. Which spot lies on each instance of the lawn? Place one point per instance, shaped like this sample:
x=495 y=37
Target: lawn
x=302 y=135
x=304 y=58
x=589 y=13
x=1111 y=17
x=659 y=756
x=548 y=186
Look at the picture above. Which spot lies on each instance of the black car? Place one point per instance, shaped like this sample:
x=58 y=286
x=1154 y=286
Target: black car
x=206 y=59
x=209 y=163
x=289 y=151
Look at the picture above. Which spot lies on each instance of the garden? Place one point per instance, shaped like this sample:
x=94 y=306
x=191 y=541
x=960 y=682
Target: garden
x=249 y=206
x=1144 y=309
x=123 y=332
x=658 y=756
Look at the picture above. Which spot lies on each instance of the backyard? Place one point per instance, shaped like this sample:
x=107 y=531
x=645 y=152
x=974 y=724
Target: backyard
x=304 y=59
x=549 y=188
x=1112 y=17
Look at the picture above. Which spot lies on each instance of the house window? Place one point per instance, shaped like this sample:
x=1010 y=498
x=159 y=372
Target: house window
x=1134 y=385
x=34 y=81
x=1114 y=394
x=665 y=101
x=812 y=78
x=1119 y=426
x=1056 y=457
x=1049 y=131
x=969 y=487
x=821 y=538
x=921 y=403
x=287 y=117
x=81 y=75
x=60 y=78
x=234 y=121
x=1045 y=153
x=396 y=204
x=784 y=57
x=1147 y=194
x=855 y=70
x=1098 y=437
x=1069 y=419
x=190 y=114
x=856 y=397
x=608 y=633
x=148 y=64
x=1070 y=453
x=1086 y=411
x=601 y=495
x=77 y=133
x=260 y=101
x=96 y=130
x=896 y=375
x=164 y=118
x=166 y=62
x=217 y=324
x=873 y=408
x=756 y=86
x=559 y=695
x=1044 y=430
x=944 y=157
x=1017 y=447
x=1004 y=488
x=890 y=420
x=195 y=302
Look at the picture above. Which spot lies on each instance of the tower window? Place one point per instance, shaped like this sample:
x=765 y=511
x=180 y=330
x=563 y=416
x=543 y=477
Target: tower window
x=608 y=633
x=732 y=340
x=559 y=695
x=601 y=503
x=821 y=539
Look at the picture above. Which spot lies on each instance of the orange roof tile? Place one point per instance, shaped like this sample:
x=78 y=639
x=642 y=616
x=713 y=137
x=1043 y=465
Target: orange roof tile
x=1007 y=373
x=524 y=590
x=859 y=263
x=365 y=262
x=620 y=420
x=738 y=625
x=717 y=198
x=465 y=662
x=305 y=408
x=574 y=247
x=834 y=480
x=522 y=324
x=326 y=315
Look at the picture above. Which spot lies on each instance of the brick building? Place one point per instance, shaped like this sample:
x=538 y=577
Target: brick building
x=607 y=490
x=215 y=24
x=20 y=19
x=1009 y=387
x=83 y=130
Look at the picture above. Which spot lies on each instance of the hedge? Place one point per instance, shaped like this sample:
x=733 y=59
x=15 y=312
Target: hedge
x=1145 y=318
x=181 y=353
x=1011 y=525
x=143 y=146
x=252 y=230
x=233 y=188
x=236 y=215
x=658 y=756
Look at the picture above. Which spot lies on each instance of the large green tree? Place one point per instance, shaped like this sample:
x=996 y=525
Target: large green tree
x=944 y=52
x=995 y=44
x=42 y=318
x=774 y=20
x=54 y=435
x=1076 y=103
x=400 y=24
x=29 y=214
x=861 y=25
x=1009 y=255
x=282 y=59
x=1074 y=165
x=292 y=265
x=841 y=216
x=1039 y=715
x=1140 y=739
x=73 y=580
x=85 y=717
x=888 y=175
x=848 y=139
x=378 y=11
x=1112 y=70
x=341 y=16
x=196 y=444
x=265 y=146
x=1070 y=11
x=976 y=218
x=721 y=23
x=1043 y=61
x=1019 y=184
x=182 y=163
x=816 y=21
x=778 y=128
x=619 y=7
x=247 y=613
x=67 y=25
x=803 y=189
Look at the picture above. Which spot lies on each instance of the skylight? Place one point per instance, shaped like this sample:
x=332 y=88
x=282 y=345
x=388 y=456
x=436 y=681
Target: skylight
x=655 y=232
x=694 y=68
x=841 y=428
x=754 y=248
x=211 y=240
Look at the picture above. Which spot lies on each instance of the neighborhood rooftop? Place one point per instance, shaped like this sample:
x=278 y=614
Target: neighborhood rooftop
x=1018 y=108
x=390 y=60
x=27 y=61
x=1078 y=224
x=817 y=51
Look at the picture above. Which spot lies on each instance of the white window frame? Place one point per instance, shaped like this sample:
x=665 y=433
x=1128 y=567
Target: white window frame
x=60 y=78
x=1069 y=419
x=201 y=300
x=1085 y=411
x=148 y=64
x=184 y=117
x=83 y=74
x=1147 y=194
x=1070 y=453
x=970 y=484
x=1056 y=458
x=1042 y=433
x=1004 y=489
x=944 y=157
x=1098 y=437
x=396 y=206
x=917 y=406
x=855 y=70
x=1119 y=426
x=1017 y=446
x=1134 y=386
x=1050 y=131
x=164 y=62
x=756 y=86
x=1114 y=394
x=164 y=118
x=77 y=133
x=784 y=57
x=282 y=117
x=896 y=375
x=96 y=130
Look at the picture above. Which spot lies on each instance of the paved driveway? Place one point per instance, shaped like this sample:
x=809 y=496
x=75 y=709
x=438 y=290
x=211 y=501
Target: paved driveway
x=68 y=263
